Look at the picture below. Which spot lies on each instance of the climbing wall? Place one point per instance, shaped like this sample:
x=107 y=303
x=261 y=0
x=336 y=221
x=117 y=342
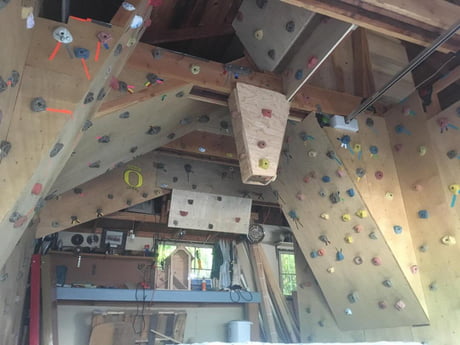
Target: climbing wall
x=191 y=210
x=342 y=243
x=118 y=137
x=427 y=166
x=259 y=117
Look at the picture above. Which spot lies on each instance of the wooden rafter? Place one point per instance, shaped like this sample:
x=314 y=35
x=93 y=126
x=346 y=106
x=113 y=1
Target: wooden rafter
x=193 y=33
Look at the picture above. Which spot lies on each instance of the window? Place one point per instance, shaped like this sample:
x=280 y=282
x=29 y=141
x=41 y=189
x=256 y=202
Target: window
x=287 y=272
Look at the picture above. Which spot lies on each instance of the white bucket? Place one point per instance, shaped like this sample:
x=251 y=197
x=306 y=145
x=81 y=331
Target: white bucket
x=239 y=331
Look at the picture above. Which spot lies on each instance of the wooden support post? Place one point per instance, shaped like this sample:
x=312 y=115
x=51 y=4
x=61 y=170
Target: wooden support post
x=252 y=314
x=34 y=323
x=259 y=117
x=363 y=78
x=49 y=303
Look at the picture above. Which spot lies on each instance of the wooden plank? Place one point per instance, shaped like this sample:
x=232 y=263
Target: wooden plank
x=252 y=314
x=444 y=82
x=84 y=201
x=49 y=304
x=362 y=76
x=153 y=36
x=259 y=117
x=112 y=333
x=303 y=206
x=368 y=20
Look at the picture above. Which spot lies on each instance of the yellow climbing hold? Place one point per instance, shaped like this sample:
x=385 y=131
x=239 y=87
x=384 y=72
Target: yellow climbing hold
x=362 y=214
x=346 y=217
x=264 y=163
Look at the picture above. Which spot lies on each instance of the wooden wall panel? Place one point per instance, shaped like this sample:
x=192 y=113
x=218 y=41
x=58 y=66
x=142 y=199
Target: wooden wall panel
x=302 y=204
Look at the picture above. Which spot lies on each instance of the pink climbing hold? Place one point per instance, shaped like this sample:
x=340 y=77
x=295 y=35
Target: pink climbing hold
x=358 y=228
x=20 y=222
x=306 y=179
x=379 y=175
x=417 y=187
x=237 y=219
x=321 y=252
x=300 y=196
x=376 y=261
x=267 y=113
x=37 y=189
x=312 y=61
x=183 y=213
x=398 y=147
x=414 y=269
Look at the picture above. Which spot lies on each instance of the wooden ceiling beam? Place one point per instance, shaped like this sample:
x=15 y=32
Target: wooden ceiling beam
x=154 y=36
x=212 y=76
x=390 y=23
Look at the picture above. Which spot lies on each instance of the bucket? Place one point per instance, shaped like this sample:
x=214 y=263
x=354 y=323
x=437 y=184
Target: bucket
x=239 y=331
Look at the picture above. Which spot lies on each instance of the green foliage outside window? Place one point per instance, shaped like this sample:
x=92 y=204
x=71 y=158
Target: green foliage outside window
x=287 y=272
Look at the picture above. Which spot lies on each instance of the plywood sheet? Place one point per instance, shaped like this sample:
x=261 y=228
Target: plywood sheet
x=303 y=206
x=211 y=212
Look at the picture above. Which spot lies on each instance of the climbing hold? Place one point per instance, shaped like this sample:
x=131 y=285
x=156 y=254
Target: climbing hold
x=81 y=53
x=382 y=304
x=136 y=22
x=186 y=121
x=433 y=286
x=204 y=119
x=389 y=196
x=331 y=155
x=14 y=217
x=124 y=115
x=387 y=283
x=267 y=113
x=358 y=228
x=353 y=297
x=423 y=214
x=313 y=174
x=131 y=42
x=362 y=213
x=312 y=62
x=261 y=144
x=87 y=125
x=78 y=191
x=5 y=147
x=157 y=53
x=422 y=150
x=346 y=217
x=300 y=196
x=322 y=193
x=312 y=154
x=104 y=139
x=376 y=261
x=195 y=69
x=335 y=197
x=417 y=187
x=414 y=269
x=271 y=54
x=373 y=235
x=101 y=94
x=397 y=229
x=38 y=104
x=324 y=216
x=326 y=179
x=400 y=305
x=379 y=175
x=448 y=240
x=62 y=35
x=183 y=213
x=348 y=312
x=264 y=163
x=344 y=141
x=324 y=239
x=153 y=130
x=423 y=248
x=96 y=164
x=321 y=252
x=56 y=149
x=340 y=172
x=398 y=147
x=171 y=136
x=110 y=196
x=452 y=154
x=374 y=150
x=128 y=7
x=261 y=3
x=400 y=129
x=330 y=270
x=259 y=34
x=351 y=192
x=358 y=260
x=290 y=26
x=306 y=179
x=339 y=255
x=20 y=222
x=360 y=172
x=89 y=98
x=313 y=254
x=348 y=239
x=37 y=189
x=39 y=205
x=298 y=74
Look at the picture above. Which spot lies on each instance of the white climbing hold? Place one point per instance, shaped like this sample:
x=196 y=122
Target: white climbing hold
x=62 y=35
x=128 y=6
x=137 y=22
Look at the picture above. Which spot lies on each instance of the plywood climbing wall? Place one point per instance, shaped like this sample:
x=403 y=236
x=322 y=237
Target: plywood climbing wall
x=211 y=212
x=259 y=117
x=345 y=248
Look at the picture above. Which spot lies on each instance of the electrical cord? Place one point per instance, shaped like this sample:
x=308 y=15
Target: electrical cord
x=237 y=293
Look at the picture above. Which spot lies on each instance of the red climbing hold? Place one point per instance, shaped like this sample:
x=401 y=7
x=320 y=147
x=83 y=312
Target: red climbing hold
x=267 y=113
x=183 y=213
x=379 y=175
x=37 y=189
x=237 y=219
x=312 y=61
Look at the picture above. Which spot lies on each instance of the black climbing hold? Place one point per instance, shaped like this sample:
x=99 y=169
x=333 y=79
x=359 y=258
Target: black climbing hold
x=210 y=226
x=224 y=125
x=118 y=50
x=78 y=190
x=180 y=94
x=89 y=98
x=14 y=217
x=128 y=202
x=14 y=79
x=5 y=147
x=104 y=139
x=152 y=78
x=186 y=121
x=452 y=154
x=101 y=94
x=153 y=130
x=171 y=136
x=51 y=196
x=38 y=104
x=3 y=85
x=290 y=26
x=156 y=53
x=261 y=3
x=335 y=197
x=87 y=125
x=144 y=195
x=96 y=164
x=190 y=201
x=271 y=54
x=219 y=198
x=369 y=122
x=203 y=119
x=56 y=149
x=124 y=115
x=122 y=86
x=40 y=204
x=175 y=179
x=188 y=168
x=194 y=186
x=133 y=149
x=119 y=165
x=110 y=196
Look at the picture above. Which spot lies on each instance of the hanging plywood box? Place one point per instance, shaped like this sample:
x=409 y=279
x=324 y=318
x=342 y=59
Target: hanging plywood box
x=259 y=119
x=178 y=265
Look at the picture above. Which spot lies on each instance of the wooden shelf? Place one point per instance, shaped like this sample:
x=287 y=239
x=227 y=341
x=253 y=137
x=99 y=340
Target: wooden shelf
x=103 y=256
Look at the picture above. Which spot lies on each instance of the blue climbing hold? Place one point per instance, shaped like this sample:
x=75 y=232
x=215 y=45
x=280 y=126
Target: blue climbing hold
x=423 y=214
x=345 y=139
x=313 y=254
x=351 y=192
x=373 y=149
x=81 y=53
x=397 y=229
x=326 y=179
x=299 y=74
x=339 y=255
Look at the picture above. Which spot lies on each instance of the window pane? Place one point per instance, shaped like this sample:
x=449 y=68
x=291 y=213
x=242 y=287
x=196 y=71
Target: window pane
x=287 y=272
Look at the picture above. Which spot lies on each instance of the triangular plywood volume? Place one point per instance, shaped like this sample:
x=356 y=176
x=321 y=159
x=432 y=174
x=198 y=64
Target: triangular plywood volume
x=259 y=117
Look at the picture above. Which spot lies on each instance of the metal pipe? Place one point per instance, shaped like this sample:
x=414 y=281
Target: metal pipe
x=412 y=65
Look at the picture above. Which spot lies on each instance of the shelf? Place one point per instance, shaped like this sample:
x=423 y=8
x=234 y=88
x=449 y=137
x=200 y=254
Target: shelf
x=103 y=256
x=169 y=296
